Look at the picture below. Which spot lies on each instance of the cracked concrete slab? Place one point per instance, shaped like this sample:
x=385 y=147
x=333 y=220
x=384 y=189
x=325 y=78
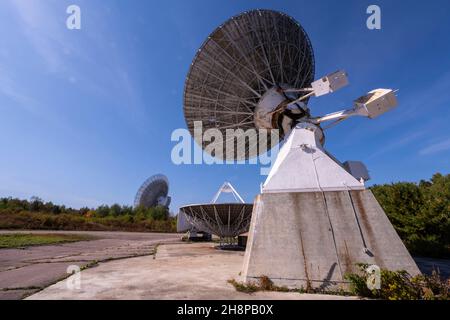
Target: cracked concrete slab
x=35 y=275
x=33 y=268
x=178 y=271
x=15 y=294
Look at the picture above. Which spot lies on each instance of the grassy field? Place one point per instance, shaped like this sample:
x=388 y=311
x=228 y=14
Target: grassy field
x=25 y=240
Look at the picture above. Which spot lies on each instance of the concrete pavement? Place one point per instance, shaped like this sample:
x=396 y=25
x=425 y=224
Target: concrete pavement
x=178 y=271
x=28 y=270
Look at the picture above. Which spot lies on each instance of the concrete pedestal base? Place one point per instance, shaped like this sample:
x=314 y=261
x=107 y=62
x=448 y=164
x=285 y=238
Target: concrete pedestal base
x=313 y=239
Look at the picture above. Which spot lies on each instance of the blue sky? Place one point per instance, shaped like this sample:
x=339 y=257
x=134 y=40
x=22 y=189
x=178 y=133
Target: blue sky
x=86 y=115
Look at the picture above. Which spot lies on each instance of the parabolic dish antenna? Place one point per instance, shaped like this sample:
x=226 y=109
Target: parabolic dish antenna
x=256 y=71
x=236 y=71
x=226 y=220
x=153 y=192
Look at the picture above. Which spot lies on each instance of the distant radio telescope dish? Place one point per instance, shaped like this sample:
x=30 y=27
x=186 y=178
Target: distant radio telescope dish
x=153 y=192
x=236 y=70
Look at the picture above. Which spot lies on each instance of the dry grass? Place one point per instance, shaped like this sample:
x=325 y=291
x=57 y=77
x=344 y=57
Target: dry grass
x=263 y=284
x=26 y=240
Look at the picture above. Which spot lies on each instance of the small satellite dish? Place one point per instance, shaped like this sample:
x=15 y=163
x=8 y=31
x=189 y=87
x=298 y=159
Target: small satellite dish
x=238 y=74
x=153 y=192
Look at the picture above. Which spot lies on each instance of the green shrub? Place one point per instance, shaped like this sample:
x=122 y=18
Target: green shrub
x=399 y=285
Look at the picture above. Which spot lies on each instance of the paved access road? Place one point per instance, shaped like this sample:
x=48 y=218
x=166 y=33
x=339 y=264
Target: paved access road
x=26 y=271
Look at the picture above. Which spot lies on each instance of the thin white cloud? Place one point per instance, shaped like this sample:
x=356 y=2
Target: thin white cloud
x=436 y=147
x=43 y=31
x=396 y=144
x=84 y=58
x=9 y=88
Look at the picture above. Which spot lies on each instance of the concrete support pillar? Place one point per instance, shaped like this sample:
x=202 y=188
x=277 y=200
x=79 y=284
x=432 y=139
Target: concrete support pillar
x=302 y=239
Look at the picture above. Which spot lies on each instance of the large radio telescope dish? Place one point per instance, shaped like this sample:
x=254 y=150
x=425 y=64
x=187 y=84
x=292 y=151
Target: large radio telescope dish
x=153 y=192
x=240 y=62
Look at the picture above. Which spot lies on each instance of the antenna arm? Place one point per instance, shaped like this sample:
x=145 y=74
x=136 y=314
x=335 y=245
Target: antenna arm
x=372 y=105
x=340 y=115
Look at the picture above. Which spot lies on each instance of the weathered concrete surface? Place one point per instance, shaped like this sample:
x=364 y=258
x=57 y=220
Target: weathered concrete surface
x=315 y=238
x=179 y=271
x=15 y=294
x=382 y=240
x=24 y=271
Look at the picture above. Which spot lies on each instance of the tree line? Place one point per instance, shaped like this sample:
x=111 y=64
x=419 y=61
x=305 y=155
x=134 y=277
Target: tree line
x=420 y=213
x=35 y=214
x=36 y=205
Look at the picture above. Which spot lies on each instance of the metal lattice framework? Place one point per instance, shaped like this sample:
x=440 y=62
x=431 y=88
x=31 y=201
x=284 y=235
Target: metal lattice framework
x=153 y=192
x=239 y=62
x=227 y=220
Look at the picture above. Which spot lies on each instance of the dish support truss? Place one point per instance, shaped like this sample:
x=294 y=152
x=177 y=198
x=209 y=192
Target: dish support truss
x=227 y=188
x=224 y=220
